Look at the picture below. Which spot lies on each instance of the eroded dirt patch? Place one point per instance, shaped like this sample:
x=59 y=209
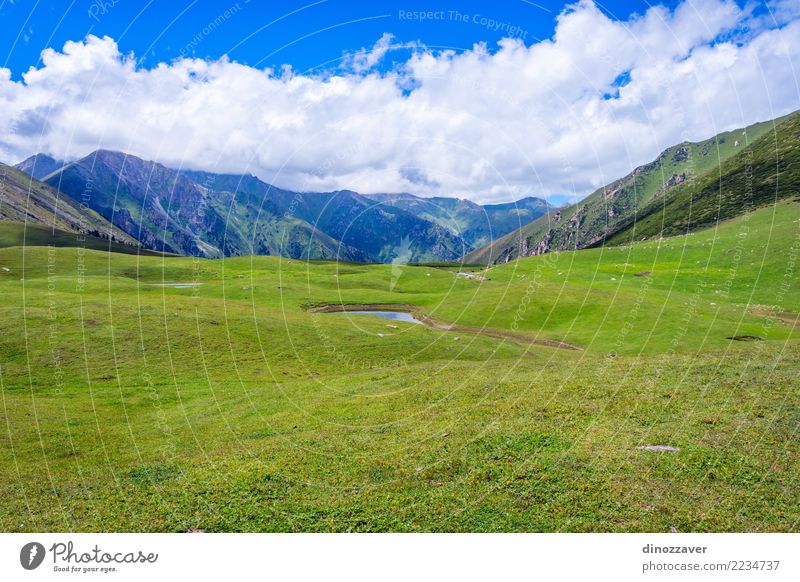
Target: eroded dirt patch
x=783 y=317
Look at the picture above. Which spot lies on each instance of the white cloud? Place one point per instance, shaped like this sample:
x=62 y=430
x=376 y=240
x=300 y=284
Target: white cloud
x=489 y=125
x=365 y=59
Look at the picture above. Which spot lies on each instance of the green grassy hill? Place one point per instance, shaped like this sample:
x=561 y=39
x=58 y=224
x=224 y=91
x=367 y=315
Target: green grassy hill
x=616 y=205
x=763 y=173
x=176 y=394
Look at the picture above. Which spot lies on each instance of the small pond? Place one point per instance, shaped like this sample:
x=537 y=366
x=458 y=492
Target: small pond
x=393 y=315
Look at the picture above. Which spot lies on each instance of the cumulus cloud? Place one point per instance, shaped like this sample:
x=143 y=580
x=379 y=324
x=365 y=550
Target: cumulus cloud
x=560 y=116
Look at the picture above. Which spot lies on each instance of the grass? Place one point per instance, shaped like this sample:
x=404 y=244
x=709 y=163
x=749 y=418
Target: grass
x=128 y=405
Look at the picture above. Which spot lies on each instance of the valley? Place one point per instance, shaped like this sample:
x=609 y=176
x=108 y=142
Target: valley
x=183 y=394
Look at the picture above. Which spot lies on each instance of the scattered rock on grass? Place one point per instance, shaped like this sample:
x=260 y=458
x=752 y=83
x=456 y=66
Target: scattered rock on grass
x=659 y=448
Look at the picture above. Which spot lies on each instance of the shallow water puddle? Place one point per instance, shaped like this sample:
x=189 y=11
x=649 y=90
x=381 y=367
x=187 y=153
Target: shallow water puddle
x=175 y=285
x=393 y=315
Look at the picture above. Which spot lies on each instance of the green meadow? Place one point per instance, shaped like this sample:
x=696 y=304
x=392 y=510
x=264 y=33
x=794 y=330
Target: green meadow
x=146 y=393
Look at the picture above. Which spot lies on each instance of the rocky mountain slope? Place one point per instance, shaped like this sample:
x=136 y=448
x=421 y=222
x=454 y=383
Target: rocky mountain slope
x=25 y=200
x=616 y=205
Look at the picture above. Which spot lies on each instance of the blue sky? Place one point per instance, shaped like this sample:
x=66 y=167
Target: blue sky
x=557 y=101
x=305 y=34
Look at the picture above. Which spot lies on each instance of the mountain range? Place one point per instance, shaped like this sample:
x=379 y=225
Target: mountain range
x=121 y=198
x=213 y=215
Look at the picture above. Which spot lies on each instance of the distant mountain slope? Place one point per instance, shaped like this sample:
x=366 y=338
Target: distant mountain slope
x=590 y=221
x=476 y=224
x=763 y=173
x=212 y=215
x=24 y=199
x=382 y=233
x=40 y=165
